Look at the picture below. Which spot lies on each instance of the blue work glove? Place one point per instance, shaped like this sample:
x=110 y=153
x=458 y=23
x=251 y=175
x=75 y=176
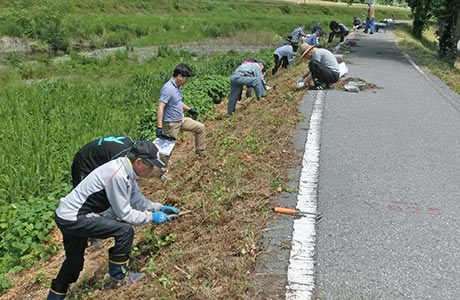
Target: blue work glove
x=300 y=79
x=158 y=131
x=169 y=210
x=160 y=217
x=193 y=112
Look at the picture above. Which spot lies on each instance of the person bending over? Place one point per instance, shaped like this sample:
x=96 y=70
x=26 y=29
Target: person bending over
x=250 y=75
x=282 y=56
x=323 y=67
x=107 y=203
x=337 y=29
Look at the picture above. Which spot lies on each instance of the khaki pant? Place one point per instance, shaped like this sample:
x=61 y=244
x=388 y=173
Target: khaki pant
x=187 y=124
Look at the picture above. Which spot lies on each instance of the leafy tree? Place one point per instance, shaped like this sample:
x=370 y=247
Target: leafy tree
x=422 y=12
x=447 y=13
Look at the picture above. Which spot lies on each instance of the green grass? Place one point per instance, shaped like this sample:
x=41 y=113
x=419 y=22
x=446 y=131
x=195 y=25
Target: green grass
x=112 y=23
x=424 y=51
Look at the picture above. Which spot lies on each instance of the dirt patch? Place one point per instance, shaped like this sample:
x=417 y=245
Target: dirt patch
x=340 y=85
x=14 y=44
x=341 y=60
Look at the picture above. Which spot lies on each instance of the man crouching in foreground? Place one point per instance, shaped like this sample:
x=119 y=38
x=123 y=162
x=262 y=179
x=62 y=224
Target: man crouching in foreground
x=106 y=204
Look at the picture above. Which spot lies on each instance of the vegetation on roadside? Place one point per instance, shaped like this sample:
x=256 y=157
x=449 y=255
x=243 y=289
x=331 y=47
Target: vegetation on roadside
x=446 y=15
x=424 y=51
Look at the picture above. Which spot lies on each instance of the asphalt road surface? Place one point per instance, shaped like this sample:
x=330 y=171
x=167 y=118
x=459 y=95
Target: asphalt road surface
x=388 y=187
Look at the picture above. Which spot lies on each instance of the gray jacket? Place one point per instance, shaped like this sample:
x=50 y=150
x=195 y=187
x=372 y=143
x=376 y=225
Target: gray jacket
x=110 y=189
x=250 y=70
x=285 y=51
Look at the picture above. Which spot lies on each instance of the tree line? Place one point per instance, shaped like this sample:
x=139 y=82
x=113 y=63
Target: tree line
x=446 y=13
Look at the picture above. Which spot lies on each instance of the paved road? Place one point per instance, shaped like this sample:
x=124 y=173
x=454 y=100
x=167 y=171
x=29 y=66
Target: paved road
x=388 y=187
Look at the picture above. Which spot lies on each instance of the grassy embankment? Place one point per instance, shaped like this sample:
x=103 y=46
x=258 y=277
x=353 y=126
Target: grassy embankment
x=424 y=52
x=69 y=103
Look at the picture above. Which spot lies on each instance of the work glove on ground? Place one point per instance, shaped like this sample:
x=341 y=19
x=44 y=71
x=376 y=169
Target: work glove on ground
x=300 y=80
x=159 y=131
x=169 y=210
x=193 y=112
x=160 y=217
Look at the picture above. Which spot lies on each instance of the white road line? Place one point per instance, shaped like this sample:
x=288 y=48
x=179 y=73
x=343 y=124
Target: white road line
x=301 y=270
x=415 y=66
x=454 y=102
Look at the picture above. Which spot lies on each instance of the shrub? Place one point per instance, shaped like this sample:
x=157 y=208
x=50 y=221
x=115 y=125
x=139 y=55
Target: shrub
x=16 y=23
x=116 y=38
x=26 y=227
x=50 y=27
x=8 y=74
x=286 y=9
x=215 y=6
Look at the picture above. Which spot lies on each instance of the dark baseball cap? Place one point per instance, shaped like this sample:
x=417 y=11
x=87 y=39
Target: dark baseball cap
x=149 y=153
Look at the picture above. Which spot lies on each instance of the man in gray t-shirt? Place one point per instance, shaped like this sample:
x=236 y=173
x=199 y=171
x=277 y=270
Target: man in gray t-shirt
x=323 y=67
x=170 y=113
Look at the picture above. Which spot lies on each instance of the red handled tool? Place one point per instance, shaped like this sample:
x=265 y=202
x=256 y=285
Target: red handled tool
x=283 y=210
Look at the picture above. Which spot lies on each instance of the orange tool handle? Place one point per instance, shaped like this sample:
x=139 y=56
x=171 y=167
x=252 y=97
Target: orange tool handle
x=285 y=210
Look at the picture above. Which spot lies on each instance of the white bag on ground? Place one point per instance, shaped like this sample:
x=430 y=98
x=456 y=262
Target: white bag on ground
x=164 y=146
x=343 y=69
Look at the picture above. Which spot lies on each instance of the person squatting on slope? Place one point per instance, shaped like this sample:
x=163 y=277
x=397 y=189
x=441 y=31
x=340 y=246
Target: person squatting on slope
x=282 y=56
x=370 y=18
x=323 y=67
x=357 y=23
x=316 y=28
x=107 y=203
x=337 y=29
x=250 y=75
x=95 y=154
x=313 y=39
x=170 y=113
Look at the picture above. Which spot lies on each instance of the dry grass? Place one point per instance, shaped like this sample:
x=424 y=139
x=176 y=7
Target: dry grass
x=230 y=191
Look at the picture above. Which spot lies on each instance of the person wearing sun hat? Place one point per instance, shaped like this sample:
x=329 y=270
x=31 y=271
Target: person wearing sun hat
x=323 y=67
x=105 y=204
x=370 y=18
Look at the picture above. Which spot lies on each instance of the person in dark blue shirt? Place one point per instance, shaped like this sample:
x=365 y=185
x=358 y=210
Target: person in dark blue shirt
x=317 y=27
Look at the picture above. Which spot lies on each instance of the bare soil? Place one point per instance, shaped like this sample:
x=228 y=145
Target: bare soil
x=341 y=83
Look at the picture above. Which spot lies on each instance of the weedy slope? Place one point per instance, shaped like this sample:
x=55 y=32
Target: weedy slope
x=210 y=253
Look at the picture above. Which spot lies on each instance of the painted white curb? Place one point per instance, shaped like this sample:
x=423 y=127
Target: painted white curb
x=301 y=270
